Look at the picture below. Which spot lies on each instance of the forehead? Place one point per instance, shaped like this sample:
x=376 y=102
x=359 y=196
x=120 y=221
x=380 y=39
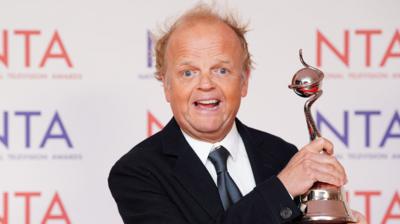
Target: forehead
x=202 y=37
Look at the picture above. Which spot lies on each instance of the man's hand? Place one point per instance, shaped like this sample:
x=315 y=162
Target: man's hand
x=309 y=165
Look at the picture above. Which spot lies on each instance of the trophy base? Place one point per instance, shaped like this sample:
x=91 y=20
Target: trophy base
x=326 y=206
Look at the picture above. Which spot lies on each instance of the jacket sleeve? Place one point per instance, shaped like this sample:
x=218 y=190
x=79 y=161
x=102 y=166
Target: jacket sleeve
x=139 y=198
x=268 y=203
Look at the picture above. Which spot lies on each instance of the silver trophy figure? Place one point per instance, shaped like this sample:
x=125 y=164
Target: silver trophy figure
x=323 y=203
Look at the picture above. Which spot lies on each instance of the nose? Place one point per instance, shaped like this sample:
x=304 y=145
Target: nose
x=206 y=82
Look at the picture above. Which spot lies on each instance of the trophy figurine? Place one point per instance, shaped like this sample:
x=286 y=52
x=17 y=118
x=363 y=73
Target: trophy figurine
x=323 y=203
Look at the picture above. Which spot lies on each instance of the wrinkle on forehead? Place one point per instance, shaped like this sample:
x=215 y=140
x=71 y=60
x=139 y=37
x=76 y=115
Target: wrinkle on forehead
x=211 y=50
x=203 y=39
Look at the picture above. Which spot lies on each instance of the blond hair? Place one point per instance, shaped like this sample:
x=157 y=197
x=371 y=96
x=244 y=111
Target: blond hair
x=202 y=12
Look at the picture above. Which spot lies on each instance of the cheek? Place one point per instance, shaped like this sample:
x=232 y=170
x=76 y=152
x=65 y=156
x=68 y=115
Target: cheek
x=233 y=92
x=179 y=93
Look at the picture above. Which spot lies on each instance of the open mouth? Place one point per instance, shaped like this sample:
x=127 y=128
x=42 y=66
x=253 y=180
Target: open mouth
x=211 y=104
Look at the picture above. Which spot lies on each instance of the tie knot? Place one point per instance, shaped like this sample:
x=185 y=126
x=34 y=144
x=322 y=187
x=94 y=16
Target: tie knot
x=219 y=157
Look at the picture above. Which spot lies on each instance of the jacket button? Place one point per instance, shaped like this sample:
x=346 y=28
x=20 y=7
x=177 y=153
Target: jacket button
x=286 y=213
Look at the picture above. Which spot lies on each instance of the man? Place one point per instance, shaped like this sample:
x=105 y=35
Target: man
x=206 y=166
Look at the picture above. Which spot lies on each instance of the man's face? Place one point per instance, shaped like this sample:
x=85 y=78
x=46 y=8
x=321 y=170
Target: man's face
x=204 y=78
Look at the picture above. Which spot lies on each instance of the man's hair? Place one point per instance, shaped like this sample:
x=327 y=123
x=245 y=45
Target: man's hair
x=202 y=12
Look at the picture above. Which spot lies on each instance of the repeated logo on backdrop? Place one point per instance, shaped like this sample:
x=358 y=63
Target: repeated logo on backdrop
x=361 y=133
x=34 y=54
x=53 y=211
x=390 y=204
x=36 y=135
x=150 y=66
x=364 y=134
x=358 y=53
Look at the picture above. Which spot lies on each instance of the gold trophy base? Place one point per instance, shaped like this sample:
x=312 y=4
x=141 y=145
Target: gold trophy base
x=325 y=206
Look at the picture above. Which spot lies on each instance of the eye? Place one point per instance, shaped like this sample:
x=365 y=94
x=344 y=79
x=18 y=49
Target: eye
x=188 y=73
x=221 y=71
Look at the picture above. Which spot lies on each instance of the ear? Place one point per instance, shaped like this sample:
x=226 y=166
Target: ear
x=245 y=83
x=166 y=87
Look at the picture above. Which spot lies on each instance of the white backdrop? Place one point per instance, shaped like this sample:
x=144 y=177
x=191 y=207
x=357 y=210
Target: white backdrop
x=77 y=92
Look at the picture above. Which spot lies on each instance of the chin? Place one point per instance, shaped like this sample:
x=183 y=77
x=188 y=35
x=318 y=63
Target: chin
x=208 y=126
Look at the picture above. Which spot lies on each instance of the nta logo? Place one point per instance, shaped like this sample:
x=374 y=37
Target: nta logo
x=367 y=37
x=55 y=130
x=55 y=49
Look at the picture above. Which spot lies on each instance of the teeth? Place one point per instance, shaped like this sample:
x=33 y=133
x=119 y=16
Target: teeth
x=208 y=101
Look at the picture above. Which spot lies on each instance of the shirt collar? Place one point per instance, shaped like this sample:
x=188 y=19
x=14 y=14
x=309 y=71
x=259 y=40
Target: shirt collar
x=203 y=149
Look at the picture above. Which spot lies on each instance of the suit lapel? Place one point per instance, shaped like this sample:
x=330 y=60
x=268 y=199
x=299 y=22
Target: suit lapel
x=263 y=162
x=193 y=175
x=190 y=171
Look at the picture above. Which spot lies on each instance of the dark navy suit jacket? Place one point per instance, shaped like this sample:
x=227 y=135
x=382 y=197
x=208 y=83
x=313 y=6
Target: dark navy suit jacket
x=161 y=180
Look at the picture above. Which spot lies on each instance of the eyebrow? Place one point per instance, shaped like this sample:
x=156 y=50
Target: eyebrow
x=224 y=62
x=185 y=63
x=191 y=62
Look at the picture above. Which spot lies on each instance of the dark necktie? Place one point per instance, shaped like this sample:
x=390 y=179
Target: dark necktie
x=228 y=191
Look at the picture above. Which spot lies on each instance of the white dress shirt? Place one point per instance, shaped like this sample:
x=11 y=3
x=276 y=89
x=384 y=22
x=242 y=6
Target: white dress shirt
x=238 y=163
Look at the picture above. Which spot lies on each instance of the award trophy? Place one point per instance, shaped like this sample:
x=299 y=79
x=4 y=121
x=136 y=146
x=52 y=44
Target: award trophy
x=323 y=203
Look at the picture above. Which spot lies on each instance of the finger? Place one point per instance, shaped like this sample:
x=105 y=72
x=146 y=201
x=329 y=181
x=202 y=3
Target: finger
x=318 y=174
x=328 y=146
x=331 y=171
x=334 y=165
x=343 y=170
x=319 y=145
